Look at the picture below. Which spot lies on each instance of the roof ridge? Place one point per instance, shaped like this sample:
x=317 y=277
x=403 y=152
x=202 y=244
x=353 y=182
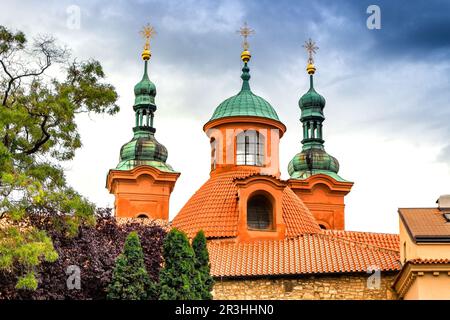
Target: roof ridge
x=359 y=243
x=419 y=208
x=364 y=232
x=254 y=174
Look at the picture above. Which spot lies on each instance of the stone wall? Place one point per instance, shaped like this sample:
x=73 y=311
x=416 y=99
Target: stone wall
x=335 y=287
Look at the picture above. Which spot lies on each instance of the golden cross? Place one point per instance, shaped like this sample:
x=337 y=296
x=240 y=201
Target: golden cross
x=310 y=47
x=147 y=32
x=245 y=31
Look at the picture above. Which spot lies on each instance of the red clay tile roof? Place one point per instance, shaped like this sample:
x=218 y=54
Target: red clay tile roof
x=382 y=240
x=214 y=209
x=305 y=254
x=306 y=250
x=425 y=223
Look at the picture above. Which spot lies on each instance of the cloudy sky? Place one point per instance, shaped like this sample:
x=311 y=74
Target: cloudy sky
x=387 y=90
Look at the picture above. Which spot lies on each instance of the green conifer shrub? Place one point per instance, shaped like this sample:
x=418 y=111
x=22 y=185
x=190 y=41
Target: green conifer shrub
x=130 y=280
x=202 y=266
x=178 y=278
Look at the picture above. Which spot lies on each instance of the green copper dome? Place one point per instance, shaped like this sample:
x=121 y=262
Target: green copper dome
x=245 y=103
x=312 y=103
x=144 y=90
x=144 y=149
x=311 y=99
x=313 y=161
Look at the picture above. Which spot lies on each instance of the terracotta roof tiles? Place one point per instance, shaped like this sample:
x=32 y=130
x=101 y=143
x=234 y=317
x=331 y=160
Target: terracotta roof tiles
x=306 y=249
x=296 y=215
x=214 y=209
x=381 y=240
x=425 y=223
x=305 y=254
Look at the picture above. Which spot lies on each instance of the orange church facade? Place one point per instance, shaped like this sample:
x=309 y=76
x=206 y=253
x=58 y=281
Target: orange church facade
x=324 y=197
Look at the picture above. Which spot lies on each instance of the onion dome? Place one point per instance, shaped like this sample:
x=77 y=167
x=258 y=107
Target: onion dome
x=312 y=100
x=144 y=149
x=245 y=103
x=144 y=90
x=313 y=159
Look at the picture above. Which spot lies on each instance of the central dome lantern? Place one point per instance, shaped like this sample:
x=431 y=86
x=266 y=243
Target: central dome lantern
x=244 y=130
x=245 y=103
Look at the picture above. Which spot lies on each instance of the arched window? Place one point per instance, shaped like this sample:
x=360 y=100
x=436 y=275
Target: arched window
x=142 y=216
x=250 y=148
x=213 y=153
x=322 y=226
x=259 y=212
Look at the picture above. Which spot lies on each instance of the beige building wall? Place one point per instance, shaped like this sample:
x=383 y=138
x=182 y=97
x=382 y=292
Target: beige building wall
x=318 y=287
x=430 y=286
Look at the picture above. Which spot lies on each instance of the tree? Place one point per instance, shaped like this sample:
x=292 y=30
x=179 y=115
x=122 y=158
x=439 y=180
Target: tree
x=37 y=132
x=130 y=280
x=202 y=266
x=178 y=278
x=95 y=251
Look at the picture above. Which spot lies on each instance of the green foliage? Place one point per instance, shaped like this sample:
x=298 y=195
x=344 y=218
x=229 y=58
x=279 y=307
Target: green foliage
x=26 y=248
x=27 y=282
x=202 y=266
x=38 y=130
x=178 y=279
x=130 y=280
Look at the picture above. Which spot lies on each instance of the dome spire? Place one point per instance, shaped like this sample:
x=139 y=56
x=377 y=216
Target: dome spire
x=313 y=158
x=144 y=149
x=147 y=32
x=245 y=31
x=245 y=102
x=145 y=90
x=312 y=104
x=311 y=48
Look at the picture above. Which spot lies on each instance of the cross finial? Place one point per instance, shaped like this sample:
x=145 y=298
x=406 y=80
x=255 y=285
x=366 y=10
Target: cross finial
x=147 y=32
x=311 y=48
x=245 y=31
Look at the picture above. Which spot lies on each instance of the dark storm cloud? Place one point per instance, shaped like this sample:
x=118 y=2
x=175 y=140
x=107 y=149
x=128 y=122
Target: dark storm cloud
x=409 y=29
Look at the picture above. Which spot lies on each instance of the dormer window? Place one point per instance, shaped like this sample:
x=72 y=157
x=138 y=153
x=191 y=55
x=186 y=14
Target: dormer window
x=250 y=148
x=259 y=213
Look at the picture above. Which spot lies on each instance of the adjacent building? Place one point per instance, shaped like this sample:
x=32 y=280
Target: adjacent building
x=425 y=252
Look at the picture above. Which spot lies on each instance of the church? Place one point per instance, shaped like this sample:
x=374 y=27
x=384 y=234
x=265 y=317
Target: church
x=270 y=238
